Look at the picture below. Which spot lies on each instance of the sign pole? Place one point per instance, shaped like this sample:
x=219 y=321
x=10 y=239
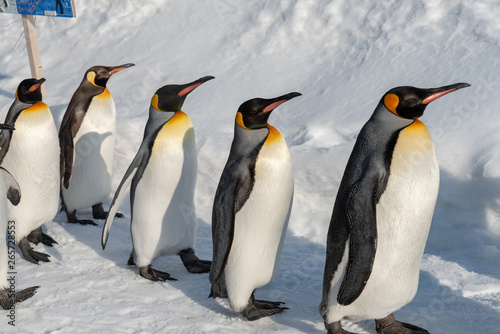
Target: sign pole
x=32 y=48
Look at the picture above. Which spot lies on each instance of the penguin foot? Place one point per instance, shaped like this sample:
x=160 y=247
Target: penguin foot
x=192 y=263
x=99 y=213
x=261 y=308
x=389 y=325
x=30 y=254
x=336 y=328
x=8 y=298
x=130 y=261
x=266 y=304
x=155 y=275
x=71 y=217
x=36 y=236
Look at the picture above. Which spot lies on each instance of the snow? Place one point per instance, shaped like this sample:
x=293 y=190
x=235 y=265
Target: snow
x=342 y=56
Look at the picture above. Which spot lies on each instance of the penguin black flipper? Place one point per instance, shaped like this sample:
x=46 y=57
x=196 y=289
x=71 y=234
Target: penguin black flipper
x=360 y=220
x=138 y=164
x=12 y=187
x=69 y=127
x=5 y=137
x=233 y=191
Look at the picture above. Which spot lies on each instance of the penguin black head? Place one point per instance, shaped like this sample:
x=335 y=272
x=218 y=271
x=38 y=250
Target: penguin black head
x=410 y=102
x=99 y=75
x=29 y=90
x=171 y=97
x=254 y=113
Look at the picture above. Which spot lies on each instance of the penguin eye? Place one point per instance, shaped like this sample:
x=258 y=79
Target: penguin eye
x=412 y=100
x=253 y=111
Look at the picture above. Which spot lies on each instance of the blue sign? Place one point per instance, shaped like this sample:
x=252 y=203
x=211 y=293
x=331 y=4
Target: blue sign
x=60 y=8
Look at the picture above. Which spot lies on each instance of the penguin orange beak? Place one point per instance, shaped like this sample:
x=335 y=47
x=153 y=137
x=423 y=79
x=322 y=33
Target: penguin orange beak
x=118 y=68
x=436 y=93
x=37 y=85
x=192 y=85
x=279 y=100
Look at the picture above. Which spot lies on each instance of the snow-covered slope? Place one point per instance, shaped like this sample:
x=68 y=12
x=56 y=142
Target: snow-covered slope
x=342 y=56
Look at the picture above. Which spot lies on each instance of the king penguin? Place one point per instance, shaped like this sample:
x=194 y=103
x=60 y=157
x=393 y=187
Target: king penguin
x=87 y=140
x=251 y=210
x=31 y=154
x=9 y=189
x=162 y=178
x=382 y=215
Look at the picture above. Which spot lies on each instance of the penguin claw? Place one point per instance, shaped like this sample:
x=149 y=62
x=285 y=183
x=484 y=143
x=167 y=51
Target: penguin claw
x=389 y=325
x=130 y=261
x=36 y=257
x=47 y=240
x=253 y=311
x=192 y=263
x=7 y=298
x=99 y=213
x=30 y=254
x=26 y=294
x=336 y=328
x=104 y=215
x=71 y=218
x=155 y=275
x=36 y=236
x=83 y=222
x=265 y=304
x=199 y=267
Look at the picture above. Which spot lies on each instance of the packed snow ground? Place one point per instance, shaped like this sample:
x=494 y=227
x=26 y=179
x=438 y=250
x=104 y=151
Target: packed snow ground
x=342 y=56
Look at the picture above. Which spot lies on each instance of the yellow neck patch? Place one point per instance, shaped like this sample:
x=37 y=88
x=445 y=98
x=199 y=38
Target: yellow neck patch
x=178 y=130
x=414 y=140
x=273 y=136
x=91 y=78
x=36 y=108
x=417 y=126
x=239 y=120
x=104 y=95
x=391 y=102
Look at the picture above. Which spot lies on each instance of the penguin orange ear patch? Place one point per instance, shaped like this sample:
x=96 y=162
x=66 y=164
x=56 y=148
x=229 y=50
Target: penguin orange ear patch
x=154 y=102
x=391 y=102
x=91 y=77
x=239 y=120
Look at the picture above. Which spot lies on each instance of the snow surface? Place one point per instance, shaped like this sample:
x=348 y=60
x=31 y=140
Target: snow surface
x=342 y=56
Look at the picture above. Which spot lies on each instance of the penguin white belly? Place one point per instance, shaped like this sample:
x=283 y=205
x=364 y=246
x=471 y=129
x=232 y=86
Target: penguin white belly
x=3 y=240
x=94 y=148
x=404 y=215
x=260 y=225
x=33 y=160
x=164 y=217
